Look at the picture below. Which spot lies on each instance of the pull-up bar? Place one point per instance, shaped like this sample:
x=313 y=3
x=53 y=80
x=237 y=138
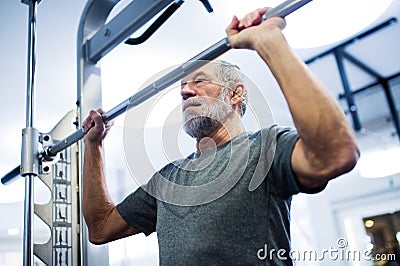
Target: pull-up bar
x=162 y=83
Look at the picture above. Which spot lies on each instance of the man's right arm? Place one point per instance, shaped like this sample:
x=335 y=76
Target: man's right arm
x=104 y=222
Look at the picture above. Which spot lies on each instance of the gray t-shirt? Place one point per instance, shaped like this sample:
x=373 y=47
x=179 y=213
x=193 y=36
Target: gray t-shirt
x=239 y=223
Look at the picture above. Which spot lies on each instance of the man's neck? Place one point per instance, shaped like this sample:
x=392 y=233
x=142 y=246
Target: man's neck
x=224 y=133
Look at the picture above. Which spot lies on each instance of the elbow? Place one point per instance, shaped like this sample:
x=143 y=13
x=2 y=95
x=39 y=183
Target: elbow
x=96 y=242
x=350 y=161
x=346 y=160
x=329 y=164
x=96 y=238
x=348 y=153
x=96 y=234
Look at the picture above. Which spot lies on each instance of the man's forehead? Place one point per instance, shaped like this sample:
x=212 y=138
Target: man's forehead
x=207 y=70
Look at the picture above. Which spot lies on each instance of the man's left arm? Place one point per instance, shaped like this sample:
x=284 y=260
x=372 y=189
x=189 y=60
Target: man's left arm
x=326 y=147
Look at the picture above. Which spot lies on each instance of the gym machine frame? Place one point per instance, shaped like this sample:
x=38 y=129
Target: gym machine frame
x=340 y=54
x=95 y=39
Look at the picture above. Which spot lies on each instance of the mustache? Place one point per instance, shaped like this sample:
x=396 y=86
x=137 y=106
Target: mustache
x=195 y=101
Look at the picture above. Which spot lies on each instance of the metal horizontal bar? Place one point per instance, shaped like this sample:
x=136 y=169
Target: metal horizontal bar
x=371 y=85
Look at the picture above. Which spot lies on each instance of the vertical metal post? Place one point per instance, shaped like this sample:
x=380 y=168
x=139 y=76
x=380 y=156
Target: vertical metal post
x=31 y=64
x=392 y=107
x=89 y=96
x=30 y=117
x=347 y=91
x=386 y=88
x=28 y=221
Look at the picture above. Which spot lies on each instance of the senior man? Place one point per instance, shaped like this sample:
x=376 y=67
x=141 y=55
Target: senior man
x=230 y=228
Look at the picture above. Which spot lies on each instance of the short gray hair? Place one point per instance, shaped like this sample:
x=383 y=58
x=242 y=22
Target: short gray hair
x=229 y=73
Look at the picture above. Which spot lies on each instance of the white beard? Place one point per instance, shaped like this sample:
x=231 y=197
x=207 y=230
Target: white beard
x=199 y=124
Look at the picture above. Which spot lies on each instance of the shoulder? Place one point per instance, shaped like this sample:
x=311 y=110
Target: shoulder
x=171 y=169
x=274 y=133
x=174 y=165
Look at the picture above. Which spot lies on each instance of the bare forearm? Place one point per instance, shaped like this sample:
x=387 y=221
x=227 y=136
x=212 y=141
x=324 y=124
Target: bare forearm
x=322 y=126
x=102 y=217
x=97 y=204
x=314 y=112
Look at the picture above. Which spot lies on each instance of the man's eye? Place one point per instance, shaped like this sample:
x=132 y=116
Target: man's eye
x=183 y=84
x=199 y=81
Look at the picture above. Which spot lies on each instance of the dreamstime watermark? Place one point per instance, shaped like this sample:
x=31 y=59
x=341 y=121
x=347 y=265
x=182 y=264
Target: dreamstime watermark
x=339 y=253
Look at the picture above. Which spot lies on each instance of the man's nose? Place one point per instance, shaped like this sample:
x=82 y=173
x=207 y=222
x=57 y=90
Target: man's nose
x=187 y=91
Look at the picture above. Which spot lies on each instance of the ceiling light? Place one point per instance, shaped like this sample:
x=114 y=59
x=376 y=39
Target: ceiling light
x=324 y=22
x=13 y=231
x=369 y=223
x=380 y=163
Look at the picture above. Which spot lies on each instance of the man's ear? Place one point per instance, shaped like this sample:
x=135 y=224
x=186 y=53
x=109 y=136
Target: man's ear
x=238 y=93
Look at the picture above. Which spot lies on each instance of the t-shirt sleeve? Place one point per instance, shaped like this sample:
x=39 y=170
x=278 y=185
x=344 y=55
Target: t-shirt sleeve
x=284 y=179
x=139 y=210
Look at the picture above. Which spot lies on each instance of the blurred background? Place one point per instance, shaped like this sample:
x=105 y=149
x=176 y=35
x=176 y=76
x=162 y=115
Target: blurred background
x=340 y=42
